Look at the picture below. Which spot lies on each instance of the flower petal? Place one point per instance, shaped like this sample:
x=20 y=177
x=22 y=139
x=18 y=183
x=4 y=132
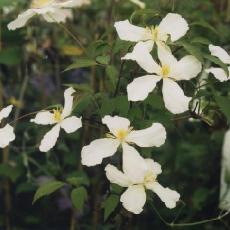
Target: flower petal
x=71 y=124
x=94 y=153
x=187 y=68
x=218 y=73
x=6 y=135
x=5 y=112
x=58 y=15
x=168 y=196
x=139 y=88
x=220 y=53
x=116 y=123
x=149 y=137
x=174 y=25
x=134 y=166
x=165 y=56
x=117 y=177
x=128 y=32
x=50 y=139
x=142 y=56
x=134 y=198
x=138 y=3
x=21 y=20
x=153 y=166
x=44 y=118
x=174 y=98
x=68 y=102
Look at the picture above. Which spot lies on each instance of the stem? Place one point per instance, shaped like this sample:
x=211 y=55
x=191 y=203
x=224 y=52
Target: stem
x=172 y=224
x=119 y=79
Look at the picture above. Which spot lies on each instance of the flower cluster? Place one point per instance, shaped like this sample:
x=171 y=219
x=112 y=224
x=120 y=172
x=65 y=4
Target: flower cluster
x=138 y=174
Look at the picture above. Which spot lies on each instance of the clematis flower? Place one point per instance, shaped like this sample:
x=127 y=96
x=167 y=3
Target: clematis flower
x=120 y=133
x=138 y=175
x=219 y=73
x=169 y=70
x=173 y=26
x=7 y=132
x=51 y=10
x=60 y=118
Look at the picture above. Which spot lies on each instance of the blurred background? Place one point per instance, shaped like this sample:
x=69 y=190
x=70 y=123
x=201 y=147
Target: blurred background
x=33 y=61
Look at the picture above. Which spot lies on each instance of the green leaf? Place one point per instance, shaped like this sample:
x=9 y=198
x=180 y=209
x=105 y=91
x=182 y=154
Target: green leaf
x=80 y=63
x=144 y=12
x=112 y=73
x=10 y=172
x=10 y=56
x=201 y=40
x=78 y=180
x=109 y=205
x=224 y=104
x=79 y=196
x=206 y=25
x=217 y=61
x=5 y=3
x=47 y=189
x=193 y=50
x=104 y=60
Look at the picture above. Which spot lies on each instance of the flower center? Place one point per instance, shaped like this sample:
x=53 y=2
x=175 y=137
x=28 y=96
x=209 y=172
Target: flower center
x=149 y=178
x=165 y=70
x=40 y=3
x=57 y=115
x=122 y=134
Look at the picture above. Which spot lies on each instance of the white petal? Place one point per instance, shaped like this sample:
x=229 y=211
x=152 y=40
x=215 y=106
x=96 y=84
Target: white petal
x=71 y=124
x=138 y=3
x=165 y=55
x=134 y=166
x=129 y=32
x=6 y=135
x=44 y=118
x=220 y=53
x=187 y=68
x=218 y=73
x=117 y=177
x=174 y=25
x=174 y=98
x=94 y=153
x=50 y=139
x=153 y=166
x=116 y=123
x=21 y=20
x=68 y=102
x=5 y=112
x=134 y=198
x=139 y=88
x=225 y=169
x=72 y=3
x=59 y=15
x=141 y=55
x=168 y=196
x=149 y=137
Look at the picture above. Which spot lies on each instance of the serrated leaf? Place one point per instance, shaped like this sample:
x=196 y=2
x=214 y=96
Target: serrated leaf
x=81 y=63
x=109 y=205
x=47 y=189
x=78 y=197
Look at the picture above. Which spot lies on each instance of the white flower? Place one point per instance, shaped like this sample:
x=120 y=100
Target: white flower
x=225 y=174
x=173 y=26
x=169 y=70
x=61 y=119
x=120 y=133
x=51 y=10
x=138 y=175
x=219 y=73
x=138 y=3
x=7 y=132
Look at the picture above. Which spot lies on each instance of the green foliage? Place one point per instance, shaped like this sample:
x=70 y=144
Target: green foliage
x=109 y=205
x=47 y=189
x=79 y=196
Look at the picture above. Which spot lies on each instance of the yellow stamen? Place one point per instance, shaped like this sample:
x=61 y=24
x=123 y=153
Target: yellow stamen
x=149 y=177
x=57 y=115
x=122 y=134
x=165 y=70
x=40 y=3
